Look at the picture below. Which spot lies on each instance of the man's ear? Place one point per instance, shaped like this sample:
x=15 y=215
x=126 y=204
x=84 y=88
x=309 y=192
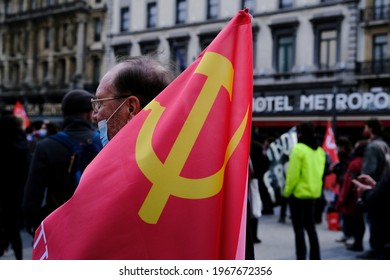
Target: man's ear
x=134 y=106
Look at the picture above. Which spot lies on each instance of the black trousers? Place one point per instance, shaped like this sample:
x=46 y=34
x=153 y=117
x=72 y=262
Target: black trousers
x=302 y=216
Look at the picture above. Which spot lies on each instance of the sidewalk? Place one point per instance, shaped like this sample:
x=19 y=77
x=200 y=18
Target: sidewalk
x=278 y=241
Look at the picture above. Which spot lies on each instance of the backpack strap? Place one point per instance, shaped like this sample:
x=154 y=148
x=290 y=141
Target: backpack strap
x=70 y=143
x=65 y=139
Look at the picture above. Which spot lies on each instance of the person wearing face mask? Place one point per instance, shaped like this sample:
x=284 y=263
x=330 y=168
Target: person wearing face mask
x=125 y=90
x=45 y=189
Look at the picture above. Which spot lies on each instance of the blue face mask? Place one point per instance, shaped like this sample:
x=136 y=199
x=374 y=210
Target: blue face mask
x=103 y=132
x=103 y=128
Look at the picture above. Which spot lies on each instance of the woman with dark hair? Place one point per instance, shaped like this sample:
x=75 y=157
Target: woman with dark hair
x=303 y=186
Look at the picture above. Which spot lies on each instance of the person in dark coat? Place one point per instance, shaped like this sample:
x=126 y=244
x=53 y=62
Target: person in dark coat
x=352 y=217
x=375 y=197
x=14 y=161
x=50 y=162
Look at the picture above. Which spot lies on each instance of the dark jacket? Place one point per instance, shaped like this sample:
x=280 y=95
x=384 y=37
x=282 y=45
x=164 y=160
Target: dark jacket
x=45 y=188
x=377 y=204
x=374 y=160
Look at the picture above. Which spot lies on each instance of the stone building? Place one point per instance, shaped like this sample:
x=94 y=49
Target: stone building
x=48 y=47
x=315 y=60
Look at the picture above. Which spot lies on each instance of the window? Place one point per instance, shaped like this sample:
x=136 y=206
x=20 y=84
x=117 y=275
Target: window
x=379 y=55
x=56 y=39
x=33 y=4
x=179 y=57
x=381 y=10
x=98 y=30
x=212 y=9
x=151 y=15
x=15 y=74
x=7 y=7
x=47 y=38
x=328 y=49
x=125 y=19
x=61 y=72
x=21 y=2
x=327 y=41
x=286 y=4
x=250 y=4
x=64 y=33
x=283 y=34
x=4 y=41
x=45 y=70
x=205 y=39
x=122 y=51
x=178 y=47
x=284 y=57
x=181 y=11
x=149 y=47
x=96 y=70
x=1 y=75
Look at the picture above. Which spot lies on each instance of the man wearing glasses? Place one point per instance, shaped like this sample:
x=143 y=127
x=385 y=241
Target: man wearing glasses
x=125 y=90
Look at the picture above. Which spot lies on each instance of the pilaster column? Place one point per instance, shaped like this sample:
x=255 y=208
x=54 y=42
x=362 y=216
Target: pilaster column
x=80 y=51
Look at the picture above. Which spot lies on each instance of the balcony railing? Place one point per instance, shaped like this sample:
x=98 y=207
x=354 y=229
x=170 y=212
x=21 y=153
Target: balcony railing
x=67 y=7
x=376 y=13
x=375 y=67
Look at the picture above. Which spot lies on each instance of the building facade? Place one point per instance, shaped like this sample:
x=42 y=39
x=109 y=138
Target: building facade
x=47 y=48
x=315 y=60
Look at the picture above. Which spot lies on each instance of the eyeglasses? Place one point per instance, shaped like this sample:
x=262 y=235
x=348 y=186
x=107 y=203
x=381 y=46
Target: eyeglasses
x=96 y=103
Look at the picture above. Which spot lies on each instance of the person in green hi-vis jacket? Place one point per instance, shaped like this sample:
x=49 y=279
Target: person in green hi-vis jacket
x=303 y=186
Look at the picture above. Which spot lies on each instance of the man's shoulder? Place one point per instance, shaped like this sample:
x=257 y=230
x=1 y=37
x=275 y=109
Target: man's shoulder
x=380 y=144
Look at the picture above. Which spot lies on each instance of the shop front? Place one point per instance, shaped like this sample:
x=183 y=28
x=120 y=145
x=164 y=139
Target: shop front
x=274 y=114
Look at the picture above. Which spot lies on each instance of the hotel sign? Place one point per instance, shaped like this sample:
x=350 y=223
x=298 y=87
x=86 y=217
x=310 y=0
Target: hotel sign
x=348 y=103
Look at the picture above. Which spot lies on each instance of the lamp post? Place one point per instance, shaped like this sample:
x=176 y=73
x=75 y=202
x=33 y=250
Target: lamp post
x=334 y=110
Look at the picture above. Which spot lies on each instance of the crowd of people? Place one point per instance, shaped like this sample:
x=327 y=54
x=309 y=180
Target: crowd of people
x=362 y=177
x=34 y=166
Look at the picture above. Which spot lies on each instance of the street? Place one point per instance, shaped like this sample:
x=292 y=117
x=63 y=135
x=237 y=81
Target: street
x=277 y=242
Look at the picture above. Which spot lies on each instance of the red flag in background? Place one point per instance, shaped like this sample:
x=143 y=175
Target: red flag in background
x=329 y=144
x=172 y=183
x=330 y=147
x=20 y=112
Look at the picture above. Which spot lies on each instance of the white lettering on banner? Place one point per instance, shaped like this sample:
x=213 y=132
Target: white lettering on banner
x=42 y=236
x=278 y=154
x=371 y=101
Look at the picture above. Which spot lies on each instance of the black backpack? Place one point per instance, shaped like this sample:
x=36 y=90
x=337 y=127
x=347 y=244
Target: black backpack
x=80 y=155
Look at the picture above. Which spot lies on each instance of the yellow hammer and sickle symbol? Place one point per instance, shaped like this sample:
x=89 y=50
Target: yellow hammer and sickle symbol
x=165 y=176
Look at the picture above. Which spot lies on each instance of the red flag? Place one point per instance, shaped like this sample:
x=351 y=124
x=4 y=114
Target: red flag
x=329 y=144
x=172 y=183
x=330 y=147
x=20 y=112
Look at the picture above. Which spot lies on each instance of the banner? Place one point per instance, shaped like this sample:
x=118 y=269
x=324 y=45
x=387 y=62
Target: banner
x=330 y=147
x=21 y=113
x=329 y=144
x=172 y=183
x=278 y=154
